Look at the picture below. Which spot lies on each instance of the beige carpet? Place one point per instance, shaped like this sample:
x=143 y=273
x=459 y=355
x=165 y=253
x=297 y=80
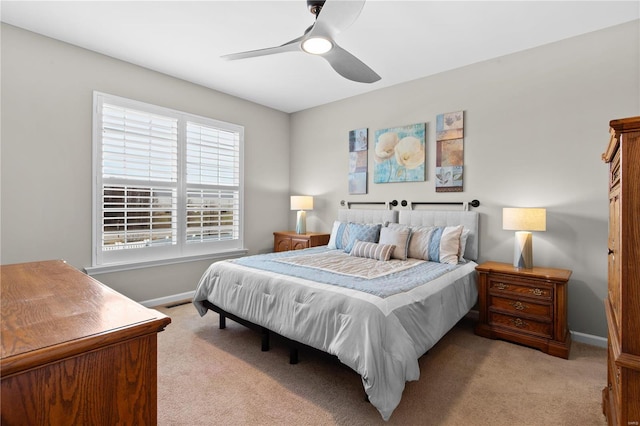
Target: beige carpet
x=208 y=376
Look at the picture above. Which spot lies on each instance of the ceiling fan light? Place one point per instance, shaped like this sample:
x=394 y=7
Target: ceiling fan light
x=317 y=45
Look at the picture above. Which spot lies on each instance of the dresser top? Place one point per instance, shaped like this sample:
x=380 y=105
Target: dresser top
x=50 y=310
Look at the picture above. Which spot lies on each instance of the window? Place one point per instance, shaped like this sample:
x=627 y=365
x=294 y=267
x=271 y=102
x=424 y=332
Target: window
x=167 y=184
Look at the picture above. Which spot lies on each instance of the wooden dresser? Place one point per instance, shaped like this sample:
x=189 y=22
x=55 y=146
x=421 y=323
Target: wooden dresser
x=74 y=351
x=290 y=240
x=526 y=306
x=621 y=396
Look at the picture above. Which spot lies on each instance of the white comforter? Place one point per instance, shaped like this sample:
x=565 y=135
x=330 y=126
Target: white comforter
x=380 y=338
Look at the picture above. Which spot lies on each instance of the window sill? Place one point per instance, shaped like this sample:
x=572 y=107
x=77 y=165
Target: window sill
x=118 y=267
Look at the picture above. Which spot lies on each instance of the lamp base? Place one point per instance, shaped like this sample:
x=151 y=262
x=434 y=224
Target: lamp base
x=301 y=222
x=522 y=250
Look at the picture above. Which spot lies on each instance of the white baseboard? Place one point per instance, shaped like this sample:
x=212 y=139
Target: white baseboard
x=589 y=339
x=167 y=300
x=576 y=336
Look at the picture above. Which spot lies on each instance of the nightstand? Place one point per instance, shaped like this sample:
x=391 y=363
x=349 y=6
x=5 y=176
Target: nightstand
x=526 y=306
x=290 y=240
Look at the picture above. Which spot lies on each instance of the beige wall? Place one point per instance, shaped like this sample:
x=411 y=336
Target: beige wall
x=47 y=89
x=536 y=123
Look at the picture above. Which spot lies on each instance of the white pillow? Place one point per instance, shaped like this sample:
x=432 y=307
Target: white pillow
x=398 y=236
x=463 y=243
x=334 y=234
x=450 y=245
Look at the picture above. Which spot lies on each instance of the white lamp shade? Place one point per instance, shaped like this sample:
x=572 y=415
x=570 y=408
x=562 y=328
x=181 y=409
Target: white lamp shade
x=524 y=219
x=301 y=202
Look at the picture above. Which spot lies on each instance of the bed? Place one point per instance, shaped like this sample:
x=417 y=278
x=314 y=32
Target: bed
x=377 y=312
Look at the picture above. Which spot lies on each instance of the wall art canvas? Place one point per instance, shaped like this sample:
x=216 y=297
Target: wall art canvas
x=358 y=161
x=449 y=152
x=450 y=126
x=400 y=154
x=449 y=179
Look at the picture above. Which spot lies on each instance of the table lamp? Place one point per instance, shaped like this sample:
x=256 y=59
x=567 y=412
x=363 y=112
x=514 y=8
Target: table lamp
x=301 y=203
x=524 y=220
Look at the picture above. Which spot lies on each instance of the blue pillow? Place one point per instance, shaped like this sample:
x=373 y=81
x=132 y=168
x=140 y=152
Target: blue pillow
x=363 y=232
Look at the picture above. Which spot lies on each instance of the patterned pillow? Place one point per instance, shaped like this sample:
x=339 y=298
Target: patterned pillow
x=397 y=235
x=444 y=245
x=336 y=240
x=419 y=242
x=372 y=250
x=363 y=232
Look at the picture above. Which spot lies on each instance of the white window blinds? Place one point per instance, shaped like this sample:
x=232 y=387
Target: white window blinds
x=168 y=183
x=213 y=176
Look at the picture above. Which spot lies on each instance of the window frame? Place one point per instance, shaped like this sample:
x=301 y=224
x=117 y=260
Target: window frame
x=182 y=251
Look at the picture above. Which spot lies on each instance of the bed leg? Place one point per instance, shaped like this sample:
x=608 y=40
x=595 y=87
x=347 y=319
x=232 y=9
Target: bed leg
x=293 y=355
x=265 y=339
x=223 y=322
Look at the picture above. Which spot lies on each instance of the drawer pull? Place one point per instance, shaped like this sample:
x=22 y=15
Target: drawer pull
x=536 y=291
x=519 y=323
x=519 y=306
x=502 y=286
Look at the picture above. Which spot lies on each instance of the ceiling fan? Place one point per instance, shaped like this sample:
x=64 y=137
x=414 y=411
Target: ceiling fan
x=332 y=17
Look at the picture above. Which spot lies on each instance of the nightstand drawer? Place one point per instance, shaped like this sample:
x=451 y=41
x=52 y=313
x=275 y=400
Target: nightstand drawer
x=521 y=307
x=509 y=285
x=542 y=329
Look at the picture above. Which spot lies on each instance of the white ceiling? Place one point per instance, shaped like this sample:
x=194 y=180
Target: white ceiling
x=400 y=40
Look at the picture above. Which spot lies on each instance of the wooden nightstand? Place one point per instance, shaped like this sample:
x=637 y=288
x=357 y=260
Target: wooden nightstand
x=526 y=306
x=290 y=240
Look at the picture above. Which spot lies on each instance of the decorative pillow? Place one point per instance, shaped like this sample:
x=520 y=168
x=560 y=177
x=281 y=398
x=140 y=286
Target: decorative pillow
x=444 y=245
x=363 y=232
x=336 y=240
x=463 y=243
x=418 y=247
x=398 y=236
x=372 y=250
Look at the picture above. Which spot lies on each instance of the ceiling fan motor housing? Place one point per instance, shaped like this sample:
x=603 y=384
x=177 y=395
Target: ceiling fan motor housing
x=315 y=6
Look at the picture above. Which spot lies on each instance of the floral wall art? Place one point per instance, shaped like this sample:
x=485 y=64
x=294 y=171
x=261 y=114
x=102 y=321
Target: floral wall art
x=358 y=161
x=400 y=154
x=449 y=151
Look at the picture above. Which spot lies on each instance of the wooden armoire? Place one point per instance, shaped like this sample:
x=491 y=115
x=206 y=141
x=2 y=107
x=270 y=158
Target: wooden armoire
x=621 y=396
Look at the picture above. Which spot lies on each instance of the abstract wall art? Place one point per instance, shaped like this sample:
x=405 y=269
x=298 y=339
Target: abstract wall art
x=358 y=161
x=450 y=152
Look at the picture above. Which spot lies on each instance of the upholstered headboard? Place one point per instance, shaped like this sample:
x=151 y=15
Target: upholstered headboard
x=367 y=215
x=446 y=218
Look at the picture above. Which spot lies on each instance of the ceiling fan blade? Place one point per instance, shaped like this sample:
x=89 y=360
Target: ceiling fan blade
x=291 y=46
x=350 y=67
x=337 y=16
